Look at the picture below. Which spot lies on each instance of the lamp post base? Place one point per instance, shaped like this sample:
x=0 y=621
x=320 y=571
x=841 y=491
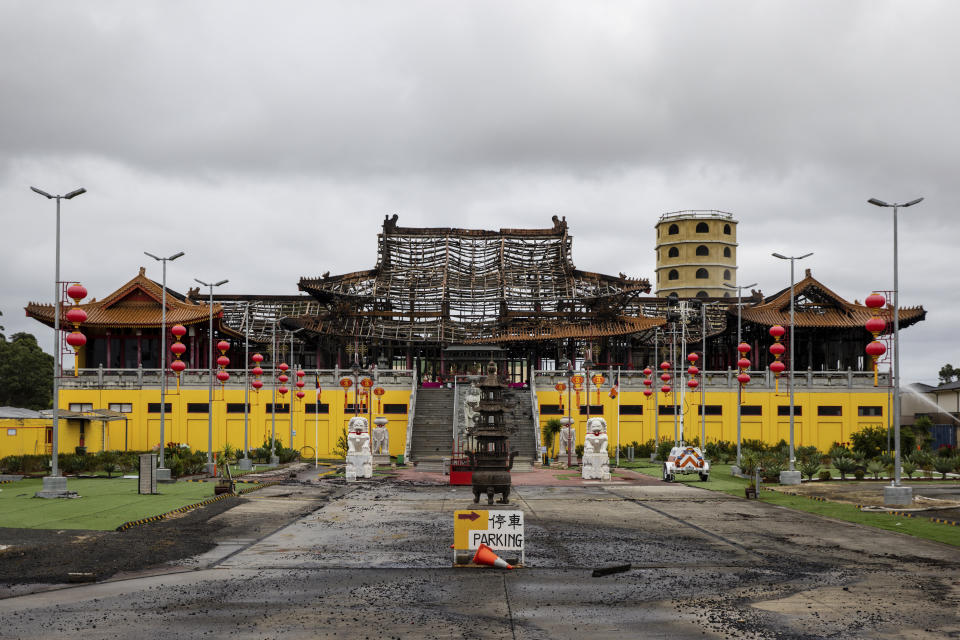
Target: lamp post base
x=163 y=475
x=55 y=487
x=735 y=470
x=790 y=477
x=246 y=464
x=274 y=461
x=897 y=496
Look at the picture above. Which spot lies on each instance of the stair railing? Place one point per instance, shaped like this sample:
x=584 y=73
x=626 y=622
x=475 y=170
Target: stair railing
x=534 y=406
x=411 y=412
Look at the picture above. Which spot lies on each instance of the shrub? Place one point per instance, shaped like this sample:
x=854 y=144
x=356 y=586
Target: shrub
x=109 y=461
x=824 y=475
x=749 y=460
x=871 y=440
x=943 y=466
x=287 y=455
x=11 y=464
x=578 y=450
x=754 y=445
x=340 y=450
x=859 y=474
x=838 y=451
x=908 y=467
x=923 y=460
x=845 y=465
x=945 y=451
x=811 y=466
x=551 y=429
x=876 y=467
x=663 y=450
x=644 y=450
x=229 y=453
x=807 y=453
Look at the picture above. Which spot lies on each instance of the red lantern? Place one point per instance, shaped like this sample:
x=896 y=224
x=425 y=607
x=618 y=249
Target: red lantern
x=743 y=348
x=257 y=358
x=300 y=384
x=597 y=380
x=223 y=376
x=257 y=384
x=223 y=361
x=76 y=315
x=283 y=377
x=178 y=330
x=577 y=381
x=693 y=358
x=692 y=383
x=665 y=388
x=648 y=382
x=648 y=392
x=300 y=373
x=257 y=371
x=777 y=349
x=177 y=366
x=876 y=349
x=283 y=390
x=664 y=365
x=178 y=348
x=223 y=346
x=743 y=363
x=875 y=300
x=665 y=377
x=76 y=340
x=876 y=326
x=77 y=292
x=743 y=379
x=366 y=383
x=283 y=366
x=346 y=383
x=300 y=394
x=692 y=370
x=777 y=331
x=648 y=371
x=777 y=367
x=379 y=391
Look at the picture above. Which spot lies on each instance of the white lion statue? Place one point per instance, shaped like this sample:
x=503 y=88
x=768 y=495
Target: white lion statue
x=358 y=438
x=596 y=438
x=380 y=440
x=568 y=438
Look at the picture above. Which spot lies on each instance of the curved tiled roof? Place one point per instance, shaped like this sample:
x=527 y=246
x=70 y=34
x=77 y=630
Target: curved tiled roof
x=135 y=304
x=818 y=306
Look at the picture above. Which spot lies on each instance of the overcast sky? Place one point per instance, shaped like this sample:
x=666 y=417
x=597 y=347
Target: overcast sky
x=268 y=140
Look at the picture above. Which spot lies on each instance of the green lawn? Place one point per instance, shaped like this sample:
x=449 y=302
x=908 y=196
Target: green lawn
x=104 y=504
x=721 y=480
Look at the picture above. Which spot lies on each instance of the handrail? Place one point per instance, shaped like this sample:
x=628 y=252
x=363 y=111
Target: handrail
x=536 y=414
x=411 y=411
x=453 y=435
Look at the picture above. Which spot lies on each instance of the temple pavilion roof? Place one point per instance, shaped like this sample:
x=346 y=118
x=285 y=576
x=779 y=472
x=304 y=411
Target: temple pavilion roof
x=817 y=306
x=136 y=304
x=474 y=286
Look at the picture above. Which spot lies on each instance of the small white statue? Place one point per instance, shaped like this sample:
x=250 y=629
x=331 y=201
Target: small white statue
x=596 y=458
x=359 y=458
x=471 y=401
x=596 y=439
x=568 y=436
x=380 y=440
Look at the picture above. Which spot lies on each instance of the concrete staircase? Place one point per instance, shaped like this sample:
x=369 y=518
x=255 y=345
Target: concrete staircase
x=432 y=437
x=524 y=440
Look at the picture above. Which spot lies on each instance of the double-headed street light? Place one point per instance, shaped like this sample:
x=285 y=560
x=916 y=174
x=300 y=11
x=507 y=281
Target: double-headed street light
x=896 y=494
x=739 y=288
x=55 y=486
x=210 y=463
x=792 y=476
x=162 y=472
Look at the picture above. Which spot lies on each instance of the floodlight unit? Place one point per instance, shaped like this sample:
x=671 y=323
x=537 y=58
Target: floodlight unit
x=55 y=485
x=163 y=474
x=210 y=464
x=896 y=494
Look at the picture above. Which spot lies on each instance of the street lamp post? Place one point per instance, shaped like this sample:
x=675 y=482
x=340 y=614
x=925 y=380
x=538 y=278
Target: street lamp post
x=791 y=476
x=896 y=494
x=55 y=485
x=245 y=463
x=163 y=474
x=210 y=464
x=739 y=288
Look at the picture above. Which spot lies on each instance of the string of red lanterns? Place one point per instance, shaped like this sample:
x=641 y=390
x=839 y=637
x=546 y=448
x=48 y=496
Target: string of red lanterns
x=876 y=325
x=777 y=350
x=693 y=371
x=300 y=384
x=743 y=364
x=76 y=316
x=648 y=382
x=256 y=372
x=223 y=362
x=665 y=377
x=177 y=348
x=282 y=379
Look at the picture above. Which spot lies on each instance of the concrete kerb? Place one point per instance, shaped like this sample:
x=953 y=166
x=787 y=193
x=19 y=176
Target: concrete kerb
x=867 y=508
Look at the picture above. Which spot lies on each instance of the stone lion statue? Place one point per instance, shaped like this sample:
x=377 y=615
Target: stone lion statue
x=596 y=438
x=358 y=438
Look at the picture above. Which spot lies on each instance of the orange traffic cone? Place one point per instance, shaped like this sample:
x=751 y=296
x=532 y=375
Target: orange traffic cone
x=485 y=555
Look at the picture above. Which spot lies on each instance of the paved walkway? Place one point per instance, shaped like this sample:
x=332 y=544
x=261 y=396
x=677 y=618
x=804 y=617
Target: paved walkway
x=538 y=477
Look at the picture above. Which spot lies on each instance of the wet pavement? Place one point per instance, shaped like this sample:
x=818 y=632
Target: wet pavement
x=372 y=559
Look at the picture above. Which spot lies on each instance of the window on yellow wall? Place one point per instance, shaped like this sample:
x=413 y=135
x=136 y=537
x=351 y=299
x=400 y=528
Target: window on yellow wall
x=312 y=408
x=80 y=406
x=829 y=410
x=595 y=410
x=154 y=407
x=665 y=409
x=121 y=407
x=197 y=407
x=281 y=408
x=784 y=410
x=712 y=410
x=631 y=409
x=751 y=410
x=395 y=408
x=863 y=411
x=235 y=407
x=551 y=410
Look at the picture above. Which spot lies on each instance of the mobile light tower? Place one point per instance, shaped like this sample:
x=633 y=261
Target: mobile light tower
x=163 y=474
x=210 y=464
x=791 y=476
x=896 y=494
x=55 y=485
x=736 y=470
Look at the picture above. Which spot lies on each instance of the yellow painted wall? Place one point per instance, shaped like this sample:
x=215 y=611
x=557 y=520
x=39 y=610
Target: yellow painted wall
x=809 y=428
x=142 y=430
